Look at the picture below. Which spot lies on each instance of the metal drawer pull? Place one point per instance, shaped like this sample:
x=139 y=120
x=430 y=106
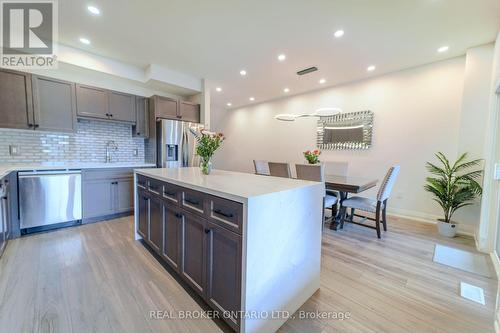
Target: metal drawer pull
x=192 y=202
x=220 y=212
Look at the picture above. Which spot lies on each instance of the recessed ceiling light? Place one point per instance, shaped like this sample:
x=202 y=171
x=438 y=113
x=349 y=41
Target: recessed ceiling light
x=252 y=99
x=322 y=81
x=243 y=72
x=339 y=33
x=443 y=49
x=93 y=10
x=370 y=68
x=84 y=41
x=281 y=57
x=229 y=104
x=286 y=90
x=219 y=89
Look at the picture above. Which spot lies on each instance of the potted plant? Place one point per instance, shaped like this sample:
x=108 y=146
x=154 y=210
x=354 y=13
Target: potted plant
x=453 y=186
x=207 y=145
x=312 y=157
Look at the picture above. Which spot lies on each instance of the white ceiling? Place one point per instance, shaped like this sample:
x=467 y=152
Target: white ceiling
x=215 y=39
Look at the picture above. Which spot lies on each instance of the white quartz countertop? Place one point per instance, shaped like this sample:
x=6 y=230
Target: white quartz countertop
x=5 y=169
x=236 y=186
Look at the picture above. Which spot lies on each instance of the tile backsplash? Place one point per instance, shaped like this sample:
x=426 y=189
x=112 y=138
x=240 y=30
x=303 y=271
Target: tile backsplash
x=88 y=144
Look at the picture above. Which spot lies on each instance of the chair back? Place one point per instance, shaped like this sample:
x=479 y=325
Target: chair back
x=261 y=167
x=336 y=168
x=388 y=183
x=315 y=173
x=280 y=170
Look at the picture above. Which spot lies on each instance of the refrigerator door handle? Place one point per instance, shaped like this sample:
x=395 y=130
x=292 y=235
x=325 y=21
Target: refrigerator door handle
x=184 y=148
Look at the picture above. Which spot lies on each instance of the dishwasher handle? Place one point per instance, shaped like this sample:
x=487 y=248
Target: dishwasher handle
x=29 y=174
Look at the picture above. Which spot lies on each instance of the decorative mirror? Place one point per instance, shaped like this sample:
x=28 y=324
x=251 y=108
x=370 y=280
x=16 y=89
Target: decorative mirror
x=345 y=131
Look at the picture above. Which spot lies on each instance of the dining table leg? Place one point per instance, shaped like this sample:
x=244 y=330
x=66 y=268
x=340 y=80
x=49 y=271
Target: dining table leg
x=341 y=212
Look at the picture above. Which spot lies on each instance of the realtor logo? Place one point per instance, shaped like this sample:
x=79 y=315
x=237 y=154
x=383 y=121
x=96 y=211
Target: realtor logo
x=29 y=32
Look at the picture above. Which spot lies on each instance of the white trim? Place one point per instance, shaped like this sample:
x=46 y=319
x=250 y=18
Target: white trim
x=496 y=264
x=463 y=229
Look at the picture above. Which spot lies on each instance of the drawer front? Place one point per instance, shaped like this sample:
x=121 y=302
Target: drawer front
x=193 y=201
x=226 y=213
x=95 y=174
x=155 y=186
x=142 y=182
x=172 y=193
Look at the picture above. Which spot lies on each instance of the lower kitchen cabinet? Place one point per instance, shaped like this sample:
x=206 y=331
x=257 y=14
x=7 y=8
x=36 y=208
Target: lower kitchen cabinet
x=207 y=254
x=224 y=271
x=143 y=214
x=106 y=193
x=155 y=234
x=97 y=198
x=172 y=236
x=194 y=258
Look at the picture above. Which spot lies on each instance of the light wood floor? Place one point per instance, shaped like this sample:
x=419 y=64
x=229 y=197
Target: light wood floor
x=95 y=278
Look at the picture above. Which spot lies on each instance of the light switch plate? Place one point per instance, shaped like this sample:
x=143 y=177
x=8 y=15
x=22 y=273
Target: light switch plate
x=13 y=150
x=497 y=171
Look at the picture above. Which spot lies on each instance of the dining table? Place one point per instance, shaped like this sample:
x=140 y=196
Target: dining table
x=345 y=185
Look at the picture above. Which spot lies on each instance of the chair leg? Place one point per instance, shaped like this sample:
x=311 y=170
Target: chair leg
x=377 y=219
x=334 y=211
x=384 y=215
x=342 y=216
x=352 y=214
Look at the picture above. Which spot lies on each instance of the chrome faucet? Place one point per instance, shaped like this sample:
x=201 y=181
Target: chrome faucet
x=110 y=146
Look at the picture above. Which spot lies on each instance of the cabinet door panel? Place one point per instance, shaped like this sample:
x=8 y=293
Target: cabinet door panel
x=189 y=112
x=224 y=270
x=97 y=199
x=91 y=102
x=143 y=218
x=193 y=266
x=141 y=128
x=54 y=104
x=155 y=235
x=121 y=106
x=172 y=236
x=124 y=195
x=165 y=108
x=16 y=107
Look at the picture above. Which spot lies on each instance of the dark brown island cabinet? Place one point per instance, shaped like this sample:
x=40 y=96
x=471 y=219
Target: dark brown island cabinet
x=202 y=237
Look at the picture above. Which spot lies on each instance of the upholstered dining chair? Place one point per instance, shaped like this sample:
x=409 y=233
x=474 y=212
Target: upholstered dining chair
x=377 y=206
x=280 y=170
x=261 y=167
x=316 y=173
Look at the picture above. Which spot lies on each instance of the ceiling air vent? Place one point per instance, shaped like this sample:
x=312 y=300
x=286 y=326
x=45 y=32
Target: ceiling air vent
x=307 y=70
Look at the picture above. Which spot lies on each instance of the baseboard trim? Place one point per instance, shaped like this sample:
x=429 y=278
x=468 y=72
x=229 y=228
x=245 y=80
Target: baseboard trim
x=463 y=229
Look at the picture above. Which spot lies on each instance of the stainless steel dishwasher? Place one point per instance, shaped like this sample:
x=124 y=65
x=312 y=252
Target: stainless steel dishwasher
x=49 y=198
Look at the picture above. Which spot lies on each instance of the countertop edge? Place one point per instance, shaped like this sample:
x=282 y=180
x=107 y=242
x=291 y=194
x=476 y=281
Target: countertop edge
x=222 y=194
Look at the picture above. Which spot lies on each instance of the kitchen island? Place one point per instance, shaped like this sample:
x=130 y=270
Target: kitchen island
x=250 y=245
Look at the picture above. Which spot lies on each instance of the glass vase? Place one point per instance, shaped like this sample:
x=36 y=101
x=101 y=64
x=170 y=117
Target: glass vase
x=206 y=166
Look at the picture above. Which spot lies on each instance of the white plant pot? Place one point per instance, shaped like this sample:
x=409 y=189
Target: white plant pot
x=447 y=229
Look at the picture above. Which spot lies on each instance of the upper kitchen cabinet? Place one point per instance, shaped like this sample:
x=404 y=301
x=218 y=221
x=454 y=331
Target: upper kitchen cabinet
x=92 y=102
x=141 y=127
x=16 y=107
x=54 y=104
x=121 y=106
x=189 y=111
x=168 y=108
x=164 y=107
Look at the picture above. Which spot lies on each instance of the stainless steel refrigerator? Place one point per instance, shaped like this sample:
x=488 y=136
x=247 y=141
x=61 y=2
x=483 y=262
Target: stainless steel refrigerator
x=175 y=144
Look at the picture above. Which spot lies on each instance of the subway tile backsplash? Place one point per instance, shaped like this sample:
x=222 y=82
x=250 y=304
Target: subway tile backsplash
x=88 y=144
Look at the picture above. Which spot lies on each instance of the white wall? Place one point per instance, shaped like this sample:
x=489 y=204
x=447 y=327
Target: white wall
x=474 y=114
x=417 y=113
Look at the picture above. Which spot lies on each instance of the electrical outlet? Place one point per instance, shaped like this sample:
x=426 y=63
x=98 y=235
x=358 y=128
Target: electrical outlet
x=497 y=172
x=13 y=150
x=136 y=152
